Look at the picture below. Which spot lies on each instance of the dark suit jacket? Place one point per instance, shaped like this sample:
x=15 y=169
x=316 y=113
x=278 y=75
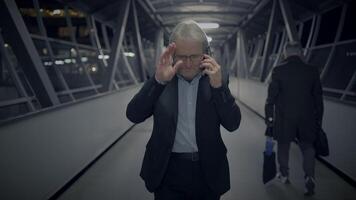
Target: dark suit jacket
x=214 y=107
x=295 y=100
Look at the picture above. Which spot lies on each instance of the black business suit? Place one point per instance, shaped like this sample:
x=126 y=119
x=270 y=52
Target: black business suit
x=295 y=103
x=213 y=107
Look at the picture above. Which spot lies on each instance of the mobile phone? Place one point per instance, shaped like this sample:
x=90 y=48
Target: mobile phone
x=202 y=68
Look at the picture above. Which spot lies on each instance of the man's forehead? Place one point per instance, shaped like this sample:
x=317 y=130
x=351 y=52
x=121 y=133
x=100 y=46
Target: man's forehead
x=188 y=45
x=188 y=41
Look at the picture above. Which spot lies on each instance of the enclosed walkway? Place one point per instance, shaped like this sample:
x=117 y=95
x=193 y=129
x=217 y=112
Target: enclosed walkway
x=69 y=68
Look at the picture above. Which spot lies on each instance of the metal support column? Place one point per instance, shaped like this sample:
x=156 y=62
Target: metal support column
x=337 y=38
x=289 y=21
x=238 y=56
x=300 y=31
x=15 y=77
x=278 y=56
x=138 y=42
x=129 y=67
x=105 y=35
x=235 y=65
x=226 y=57
x=268 y=45
x=124 y=62
x=43 y=32
x=74 y=40
x=107 y=47
x=314 y=37
x=349 y=86
x=95 y=42
x=158 y=46
x=116 y=45
x=257 y=54
x=307 y=46
x=1 y=69
x=24 y=48
x=243 y=52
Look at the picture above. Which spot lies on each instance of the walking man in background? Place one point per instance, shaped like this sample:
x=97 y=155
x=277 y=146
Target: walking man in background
x=294 y=107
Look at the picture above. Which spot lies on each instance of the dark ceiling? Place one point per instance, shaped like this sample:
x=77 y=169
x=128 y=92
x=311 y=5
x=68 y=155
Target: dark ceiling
x=252 y=15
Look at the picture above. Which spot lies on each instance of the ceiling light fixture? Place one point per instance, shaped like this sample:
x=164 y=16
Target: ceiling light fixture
x=129 y=54
x=208 y=25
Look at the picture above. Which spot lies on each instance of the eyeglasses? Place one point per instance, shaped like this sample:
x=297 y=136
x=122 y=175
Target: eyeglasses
x=192 y=58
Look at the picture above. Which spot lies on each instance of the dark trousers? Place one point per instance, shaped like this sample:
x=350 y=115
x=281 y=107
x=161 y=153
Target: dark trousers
x=308 y=152
x=184 y=180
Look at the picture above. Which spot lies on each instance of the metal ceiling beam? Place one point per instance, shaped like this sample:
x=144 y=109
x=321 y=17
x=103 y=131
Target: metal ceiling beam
x=245 y=1
x=221 y=24
x=178 y=3
x=202 y=12
x=204 y=18
x=86 y=9
x=257 y=26
x=289 y=21
x=221 y=29
x=151 y=12
x=306 y=6
x=101 y=9
x=76 y=4
x=218 y=34
x=257 y=9
x=203 y=8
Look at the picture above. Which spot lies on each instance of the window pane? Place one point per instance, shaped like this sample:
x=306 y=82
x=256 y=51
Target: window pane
x=68 y=64
x=328 y=26
x=306 y=32
x=93 y=63
x=349 y=29
x=29 y=14
x=342 y=67
x=319 y=56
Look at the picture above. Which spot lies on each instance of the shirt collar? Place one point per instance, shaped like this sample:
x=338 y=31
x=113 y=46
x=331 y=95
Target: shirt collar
x=193 y=81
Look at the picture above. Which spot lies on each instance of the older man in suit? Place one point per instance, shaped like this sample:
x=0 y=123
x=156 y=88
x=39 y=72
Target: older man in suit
x=185 y=156
x=294 y=107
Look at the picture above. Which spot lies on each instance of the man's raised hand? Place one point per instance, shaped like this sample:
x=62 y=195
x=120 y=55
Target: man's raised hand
x=164 y=69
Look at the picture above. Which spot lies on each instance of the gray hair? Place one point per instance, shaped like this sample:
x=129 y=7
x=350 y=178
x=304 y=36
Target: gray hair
x=189 y=29
x=292 y=49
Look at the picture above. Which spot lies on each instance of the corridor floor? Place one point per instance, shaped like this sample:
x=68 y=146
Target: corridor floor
x=116 y=174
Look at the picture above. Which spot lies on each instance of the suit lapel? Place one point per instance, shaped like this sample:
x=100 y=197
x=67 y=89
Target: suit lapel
x=203 y=98
x=174 y=100
x=169 y=99
x=204 y=92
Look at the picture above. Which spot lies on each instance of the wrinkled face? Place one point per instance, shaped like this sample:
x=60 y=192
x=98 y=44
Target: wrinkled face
x=191 y=53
